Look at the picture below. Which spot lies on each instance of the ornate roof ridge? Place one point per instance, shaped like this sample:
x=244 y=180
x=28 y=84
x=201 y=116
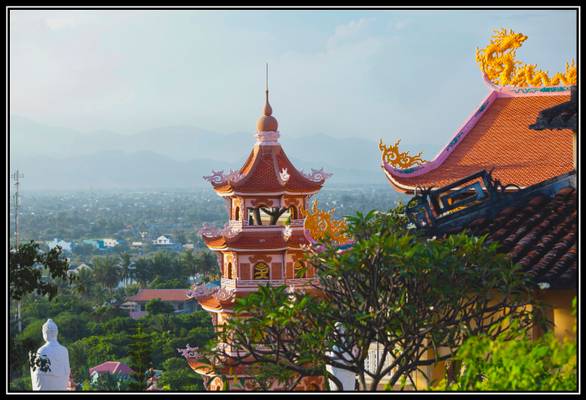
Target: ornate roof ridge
x=496 y=92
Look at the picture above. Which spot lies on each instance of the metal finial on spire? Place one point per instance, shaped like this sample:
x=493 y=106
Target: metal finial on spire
x=267 y=109
x=267 y=123
x=267 y=77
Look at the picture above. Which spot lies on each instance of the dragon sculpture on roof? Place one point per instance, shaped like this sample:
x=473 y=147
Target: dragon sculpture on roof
x=321 y=224
x=398 y=159
x=497 y=61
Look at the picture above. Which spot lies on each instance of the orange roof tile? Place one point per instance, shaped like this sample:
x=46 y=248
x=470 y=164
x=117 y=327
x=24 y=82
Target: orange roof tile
x=502 y=139
x=261 y=174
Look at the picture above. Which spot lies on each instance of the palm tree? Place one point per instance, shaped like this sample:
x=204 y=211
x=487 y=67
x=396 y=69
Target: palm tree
x=106 y=271
x=125 y=263
x=142 y=272
x=85 y=281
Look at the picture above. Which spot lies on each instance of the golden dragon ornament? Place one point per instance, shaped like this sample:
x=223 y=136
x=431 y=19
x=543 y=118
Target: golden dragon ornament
x=401 y=160
x=498 y=62
x=322 y=224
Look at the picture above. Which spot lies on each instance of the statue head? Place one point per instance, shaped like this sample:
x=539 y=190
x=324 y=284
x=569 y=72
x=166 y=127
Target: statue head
x=50 y=331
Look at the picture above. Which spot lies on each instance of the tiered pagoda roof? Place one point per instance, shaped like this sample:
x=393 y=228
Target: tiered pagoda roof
x=258 y=239
x=267 y=170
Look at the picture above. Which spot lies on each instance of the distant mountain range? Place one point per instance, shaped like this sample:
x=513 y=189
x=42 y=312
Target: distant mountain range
x=171 y=157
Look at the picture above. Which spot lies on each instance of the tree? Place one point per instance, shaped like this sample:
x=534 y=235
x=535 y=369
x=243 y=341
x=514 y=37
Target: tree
x=106 y=271
x=158 y=283
x=514 y=362
x=140 y=357
x=207 y=263
x=85 y=282
x=157 y=306
x=394 y=287
x=107 y=382
x=125 y=264
x=177 y=376
x=27 y=264
x=142 y=272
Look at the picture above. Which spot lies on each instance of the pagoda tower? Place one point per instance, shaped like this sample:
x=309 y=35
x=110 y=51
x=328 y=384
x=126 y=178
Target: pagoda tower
x=263 y=241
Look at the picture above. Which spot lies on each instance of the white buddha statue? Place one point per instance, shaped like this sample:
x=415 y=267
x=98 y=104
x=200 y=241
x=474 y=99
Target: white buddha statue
x=347 y=378
x=57 y=378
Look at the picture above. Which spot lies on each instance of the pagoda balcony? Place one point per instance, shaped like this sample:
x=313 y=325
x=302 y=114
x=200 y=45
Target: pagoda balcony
x=295 y=223
x=254 y=283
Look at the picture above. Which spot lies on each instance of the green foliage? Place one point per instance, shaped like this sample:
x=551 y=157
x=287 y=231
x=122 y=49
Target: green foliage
x=111 y=383
x=159 y=283
x=140 y=357
x=393 y=286
x=22 y=384
x=177 y=376
x=107 y=271
x=26 y=270
x=157 y=306
x=514 y=362
x=545 y=364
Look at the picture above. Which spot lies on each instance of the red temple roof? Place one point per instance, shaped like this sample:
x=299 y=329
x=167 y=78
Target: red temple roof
x=498 y=136
x=112 y=367
x=261 y=173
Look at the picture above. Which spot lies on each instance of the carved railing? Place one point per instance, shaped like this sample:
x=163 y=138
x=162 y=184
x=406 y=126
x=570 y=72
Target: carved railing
x=300 y=281
x=430 y=206
x=229 y=283
x=259 y=282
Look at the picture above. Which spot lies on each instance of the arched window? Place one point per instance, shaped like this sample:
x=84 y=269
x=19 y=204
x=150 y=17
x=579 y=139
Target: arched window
x=229 y=271
x=237 y=214
x=261 y=271
x=293 y=212
x=299 y=270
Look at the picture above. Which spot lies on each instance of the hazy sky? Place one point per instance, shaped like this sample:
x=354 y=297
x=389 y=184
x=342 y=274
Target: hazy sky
x=408 y=74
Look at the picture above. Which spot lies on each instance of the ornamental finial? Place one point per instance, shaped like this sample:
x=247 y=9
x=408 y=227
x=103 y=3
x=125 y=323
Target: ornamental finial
x=499 y=64
x=267 y=123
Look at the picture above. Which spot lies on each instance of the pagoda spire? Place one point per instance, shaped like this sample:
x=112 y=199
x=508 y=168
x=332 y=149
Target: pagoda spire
x=267 y=123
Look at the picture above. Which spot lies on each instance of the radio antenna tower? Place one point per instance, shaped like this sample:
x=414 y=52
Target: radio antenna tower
x=16 y=176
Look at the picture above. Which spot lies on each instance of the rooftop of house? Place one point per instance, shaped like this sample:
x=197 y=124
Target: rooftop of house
x=536 y=226
x=112 y=367
x=163 y=294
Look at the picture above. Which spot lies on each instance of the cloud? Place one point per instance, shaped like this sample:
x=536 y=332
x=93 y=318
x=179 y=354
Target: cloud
x=64 y=22
x=400 y=24
x=348 y=31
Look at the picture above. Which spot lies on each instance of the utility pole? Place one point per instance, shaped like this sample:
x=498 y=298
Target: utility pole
x=17 y=176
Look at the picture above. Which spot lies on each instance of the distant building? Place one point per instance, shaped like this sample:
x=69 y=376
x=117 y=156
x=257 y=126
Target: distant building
x=110 y=242
x=176 y=297
x=98 y=244
x=66 y=246
x=136 y=244
x=162 y=241
x=188 y=246
x=110 y=367
x=79 y=268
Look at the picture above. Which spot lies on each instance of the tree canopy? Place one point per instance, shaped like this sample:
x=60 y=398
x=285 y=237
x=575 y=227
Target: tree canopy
x=417 y=297
x=27 y=264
